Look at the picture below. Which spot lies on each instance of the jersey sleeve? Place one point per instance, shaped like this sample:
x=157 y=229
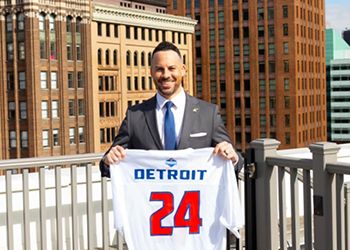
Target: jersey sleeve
x=232 y=215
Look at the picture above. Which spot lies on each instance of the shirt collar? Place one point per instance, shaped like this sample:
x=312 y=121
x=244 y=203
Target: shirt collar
x=178 y=100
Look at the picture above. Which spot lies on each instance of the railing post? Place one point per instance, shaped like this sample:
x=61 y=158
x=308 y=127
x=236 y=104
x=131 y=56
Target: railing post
x=266 y=195
x=324 y=225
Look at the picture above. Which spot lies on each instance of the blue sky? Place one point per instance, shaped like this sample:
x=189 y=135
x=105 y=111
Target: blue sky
x=338 y=14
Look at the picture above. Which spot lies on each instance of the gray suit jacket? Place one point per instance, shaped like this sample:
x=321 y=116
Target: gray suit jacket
x=202 y=127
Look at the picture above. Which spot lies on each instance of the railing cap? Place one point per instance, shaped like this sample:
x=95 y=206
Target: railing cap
x=324 y=148
x=265 y=144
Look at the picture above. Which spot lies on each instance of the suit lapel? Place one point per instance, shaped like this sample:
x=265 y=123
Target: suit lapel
x=189 y=121
x=151 y=120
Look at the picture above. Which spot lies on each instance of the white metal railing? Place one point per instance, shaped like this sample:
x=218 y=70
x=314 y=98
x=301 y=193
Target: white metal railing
x=37 y=213
x=319 y=204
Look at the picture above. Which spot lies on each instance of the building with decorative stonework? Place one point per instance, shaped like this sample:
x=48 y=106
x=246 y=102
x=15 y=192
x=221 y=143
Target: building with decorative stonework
x=263 y=63
x=69 y=70
x=45 y=90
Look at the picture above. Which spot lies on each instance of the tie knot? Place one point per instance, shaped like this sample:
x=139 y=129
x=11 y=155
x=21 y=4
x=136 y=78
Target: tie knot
x=169 y=104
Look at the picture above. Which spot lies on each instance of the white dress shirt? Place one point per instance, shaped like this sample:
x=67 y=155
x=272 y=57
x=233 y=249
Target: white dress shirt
x=178 y=110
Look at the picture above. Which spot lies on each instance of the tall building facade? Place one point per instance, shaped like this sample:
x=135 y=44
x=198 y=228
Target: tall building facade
x=338 y=87
x=263 y=63
x=124 y=34
x=70 y=68
x=45 y=54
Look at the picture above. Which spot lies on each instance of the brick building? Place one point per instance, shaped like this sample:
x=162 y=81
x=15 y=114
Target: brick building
x=263 y=63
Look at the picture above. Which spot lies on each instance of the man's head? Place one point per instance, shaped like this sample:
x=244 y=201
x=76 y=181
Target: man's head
x=167 y=69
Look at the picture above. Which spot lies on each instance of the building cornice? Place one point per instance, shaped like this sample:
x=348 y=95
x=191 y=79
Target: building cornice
x=141 y=18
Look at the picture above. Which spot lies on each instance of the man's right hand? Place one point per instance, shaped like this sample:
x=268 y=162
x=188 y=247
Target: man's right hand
x=114 y=155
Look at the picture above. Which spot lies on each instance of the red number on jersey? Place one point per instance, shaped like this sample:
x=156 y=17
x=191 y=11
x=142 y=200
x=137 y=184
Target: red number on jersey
x=156 y=217
x=189 y=203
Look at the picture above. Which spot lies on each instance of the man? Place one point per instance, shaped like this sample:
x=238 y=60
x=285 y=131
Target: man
x=197 y=123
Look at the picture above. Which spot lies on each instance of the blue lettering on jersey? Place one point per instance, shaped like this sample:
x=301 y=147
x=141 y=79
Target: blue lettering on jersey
x=168 y=174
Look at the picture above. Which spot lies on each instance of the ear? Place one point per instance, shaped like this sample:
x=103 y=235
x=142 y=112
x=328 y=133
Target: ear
x=183 y=70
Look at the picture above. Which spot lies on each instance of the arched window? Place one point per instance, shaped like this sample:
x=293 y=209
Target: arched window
x=142 y=58
x=128 y=58
x=149 y=58
x=69 y=24
x=42 y=36
x=99 y=56
x=78 y=36
x=78 y=25
x=107 y=57
x=184 y=59
x=135 y=58
x=115 y=54
x=69 y=37
x=52 y=37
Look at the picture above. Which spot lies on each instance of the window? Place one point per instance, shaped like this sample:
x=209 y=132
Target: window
x=285 y=48
x=20 y=22
x=23 y=110
x=42 y=36
x=260 y=31
x=53 y=80
x=21 y=51
x=108 y=29
x=13 y=143
x=70 y=80
x=43 y=79
x=286 y=84
x=69 y=38
x=80 y=79
x=44 y=110
x=55 y=137
x=127 y=32
x=287 y=102
x=99 y=56
x=135 y=58
x=285 y=29
x=107 y=57
x=128 y=58
x=115 y=54
x=286 y=66
x=81 y=107
x=45 y=138
x=71 y=107
x=52 y=37
x=270 y=13
x=99 y=29
x=271 y=31
x=81 y=135
x=10 y=81
x=260 y=13
x=11 y=110
x=272 y=67
x=54 y=109
x=142 y=58
x=71 y=135
x=287 y=120
x=22 y=80
x=285 y=11
x=261 y=49
x=24 y=139
x=136 y=35
x=271 y=48
x=115 y=30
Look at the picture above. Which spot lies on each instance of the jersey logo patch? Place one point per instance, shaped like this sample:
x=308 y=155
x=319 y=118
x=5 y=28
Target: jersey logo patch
x=171 y=162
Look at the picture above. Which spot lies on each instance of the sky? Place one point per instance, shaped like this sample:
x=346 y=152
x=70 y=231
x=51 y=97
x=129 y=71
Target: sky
x=337 y=14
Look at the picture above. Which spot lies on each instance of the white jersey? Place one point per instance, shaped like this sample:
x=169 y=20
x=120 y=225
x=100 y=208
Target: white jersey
x=181 y=199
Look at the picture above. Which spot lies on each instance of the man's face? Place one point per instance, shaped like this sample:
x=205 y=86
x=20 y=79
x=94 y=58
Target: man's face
x=167 y=71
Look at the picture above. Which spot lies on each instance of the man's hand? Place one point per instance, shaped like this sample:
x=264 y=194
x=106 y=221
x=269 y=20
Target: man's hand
x=114 y=155
x=227 y=151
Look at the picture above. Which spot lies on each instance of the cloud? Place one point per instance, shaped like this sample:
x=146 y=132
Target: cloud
x=337 y=16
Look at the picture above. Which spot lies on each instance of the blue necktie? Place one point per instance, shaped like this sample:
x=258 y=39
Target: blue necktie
x=169 y=128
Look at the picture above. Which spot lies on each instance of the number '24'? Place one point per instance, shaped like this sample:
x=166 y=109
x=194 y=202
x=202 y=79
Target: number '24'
x=189 y=202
